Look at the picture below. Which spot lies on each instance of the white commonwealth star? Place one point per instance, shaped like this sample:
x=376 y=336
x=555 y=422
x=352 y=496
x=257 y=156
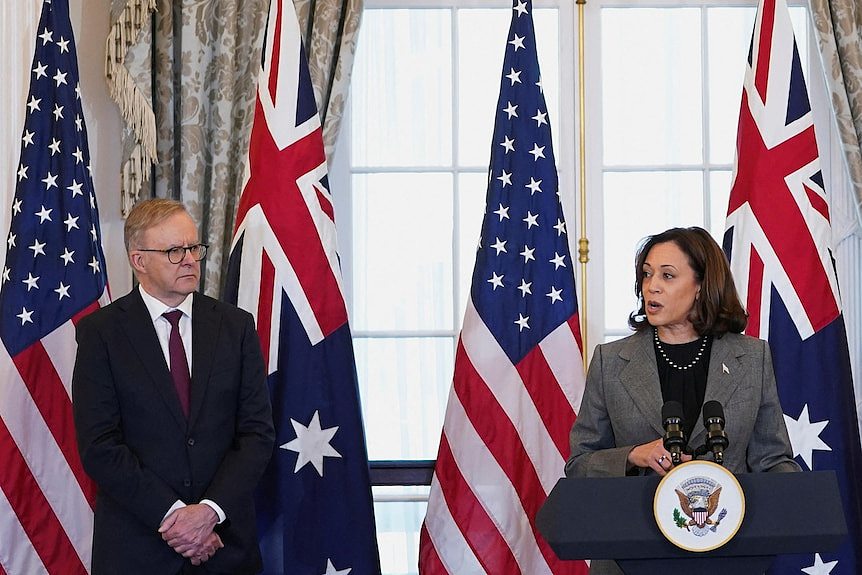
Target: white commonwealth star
x=819 y=567
x=805 y=435
x=331 y=570
x=312 y=443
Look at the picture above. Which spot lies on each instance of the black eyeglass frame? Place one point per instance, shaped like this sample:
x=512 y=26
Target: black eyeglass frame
x=181 y=250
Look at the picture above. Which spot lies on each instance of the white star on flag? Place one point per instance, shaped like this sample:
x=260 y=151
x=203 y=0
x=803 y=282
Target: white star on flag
x=805 y=435
x=819 y=567
x=503 y=212
x=311 y=443
x=517 y=42
x=500 y=246
x=331 y=570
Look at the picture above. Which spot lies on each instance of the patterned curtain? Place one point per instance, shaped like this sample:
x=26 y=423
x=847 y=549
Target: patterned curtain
x=205 y=61
x=839 y=30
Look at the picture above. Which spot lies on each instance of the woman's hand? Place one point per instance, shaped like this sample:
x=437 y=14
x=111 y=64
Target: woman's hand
x=654 y=456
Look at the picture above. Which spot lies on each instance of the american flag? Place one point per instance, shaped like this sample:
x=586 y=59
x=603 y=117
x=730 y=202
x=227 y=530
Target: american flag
x=518 y=375
x=315 y=512
x=779 y=240
x=54 y=274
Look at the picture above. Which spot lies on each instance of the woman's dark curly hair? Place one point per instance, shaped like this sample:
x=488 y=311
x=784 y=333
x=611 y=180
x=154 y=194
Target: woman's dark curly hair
x=717 y=310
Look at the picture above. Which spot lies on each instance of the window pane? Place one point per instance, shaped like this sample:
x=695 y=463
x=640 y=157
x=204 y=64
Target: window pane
x=402 y=235
x=398 y=525
x=719 y=196
x=402 y=89
x=481 y=38
x=404 y=384
x=651 y=86
x=639 y=204
x=729 y=41
x=471 y=210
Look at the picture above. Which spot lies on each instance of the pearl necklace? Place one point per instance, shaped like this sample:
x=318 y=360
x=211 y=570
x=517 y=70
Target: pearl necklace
x=670 y=361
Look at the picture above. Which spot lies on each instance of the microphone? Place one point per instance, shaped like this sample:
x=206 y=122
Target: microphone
x=674 y=436
x=716 y=438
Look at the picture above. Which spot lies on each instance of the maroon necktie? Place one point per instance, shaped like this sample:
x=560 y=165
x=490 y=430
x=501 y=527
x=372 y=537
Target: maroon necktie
x=179 y=363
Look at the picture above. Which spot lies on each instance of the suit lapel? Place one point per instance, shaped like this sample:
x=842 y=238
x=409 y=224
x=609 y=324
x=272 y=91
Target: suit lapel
x=142 y=335
x=725 y=375
x=205 y=328
x=640 y=377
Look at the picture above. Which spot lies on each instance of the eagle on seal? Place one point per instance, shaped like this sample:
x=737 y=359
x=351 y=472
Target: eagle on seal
x=699 y=508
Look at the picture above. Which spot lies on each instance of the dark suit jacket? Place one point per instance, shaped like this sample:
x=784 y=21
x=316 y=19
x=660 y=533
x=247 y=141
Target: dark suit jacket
x=144 y=455
x=622 y=405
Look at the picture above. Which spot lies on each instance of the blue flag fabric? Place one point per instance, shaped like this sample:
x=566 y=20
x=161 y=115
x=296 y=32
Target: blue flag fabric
x=315 y=511
x=54 y=274
x=518 y=378
x=778 y=240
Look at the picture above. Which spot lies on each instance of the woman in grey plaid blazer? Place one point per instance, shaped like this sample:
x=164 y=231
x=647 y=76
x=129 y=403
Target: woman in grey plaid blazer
x=687 y=347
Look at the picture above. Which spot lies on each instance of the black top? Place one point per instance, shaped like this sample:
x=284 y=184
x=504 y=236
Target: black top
x=687 y=386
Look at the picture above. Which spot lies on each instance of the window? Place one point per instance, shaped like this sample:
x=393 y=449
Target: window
x=664 y=83
x=671 y=86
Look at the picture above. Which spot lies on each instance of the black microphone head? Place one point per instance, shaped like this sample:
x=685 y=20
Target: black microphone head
x=712 y=410
x=671 y=410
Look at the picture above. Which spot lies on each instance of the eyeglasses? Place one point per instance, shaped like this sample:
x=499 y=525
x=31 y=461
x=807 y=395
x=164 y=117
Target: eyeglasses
x=178 y=253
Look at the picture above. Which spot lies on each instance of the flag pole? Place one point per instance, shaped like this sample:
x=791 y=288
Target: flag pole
x=583 y=242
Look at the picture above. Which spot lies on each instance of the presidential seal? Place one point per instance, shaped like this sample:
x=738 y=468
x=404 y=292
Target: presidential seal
x=699 y=506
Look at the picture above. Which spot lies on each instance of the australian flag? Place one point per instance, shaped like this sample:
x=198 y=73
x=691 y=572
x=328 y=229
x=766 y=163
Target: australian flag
x=315 y=512
x=779 y=241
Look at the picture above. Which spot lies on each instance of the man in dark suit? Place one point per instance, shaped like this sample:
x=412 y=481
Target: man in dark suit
x=172 y=413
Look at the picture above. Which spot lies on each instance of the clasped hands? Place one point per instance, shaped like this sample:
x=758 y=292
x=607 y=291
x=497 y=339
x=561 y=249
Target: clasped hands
x=189 y=532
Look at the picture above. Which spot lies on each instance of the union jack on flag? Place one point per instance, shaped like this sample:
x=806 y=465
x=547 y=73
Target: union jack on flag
x=518 y=377
x=54 y=274
x=314 y=506
x=779 y=241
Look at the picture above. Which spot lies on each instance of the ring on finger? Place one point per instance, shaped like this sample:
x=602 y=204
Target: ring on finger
x=661 y=459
